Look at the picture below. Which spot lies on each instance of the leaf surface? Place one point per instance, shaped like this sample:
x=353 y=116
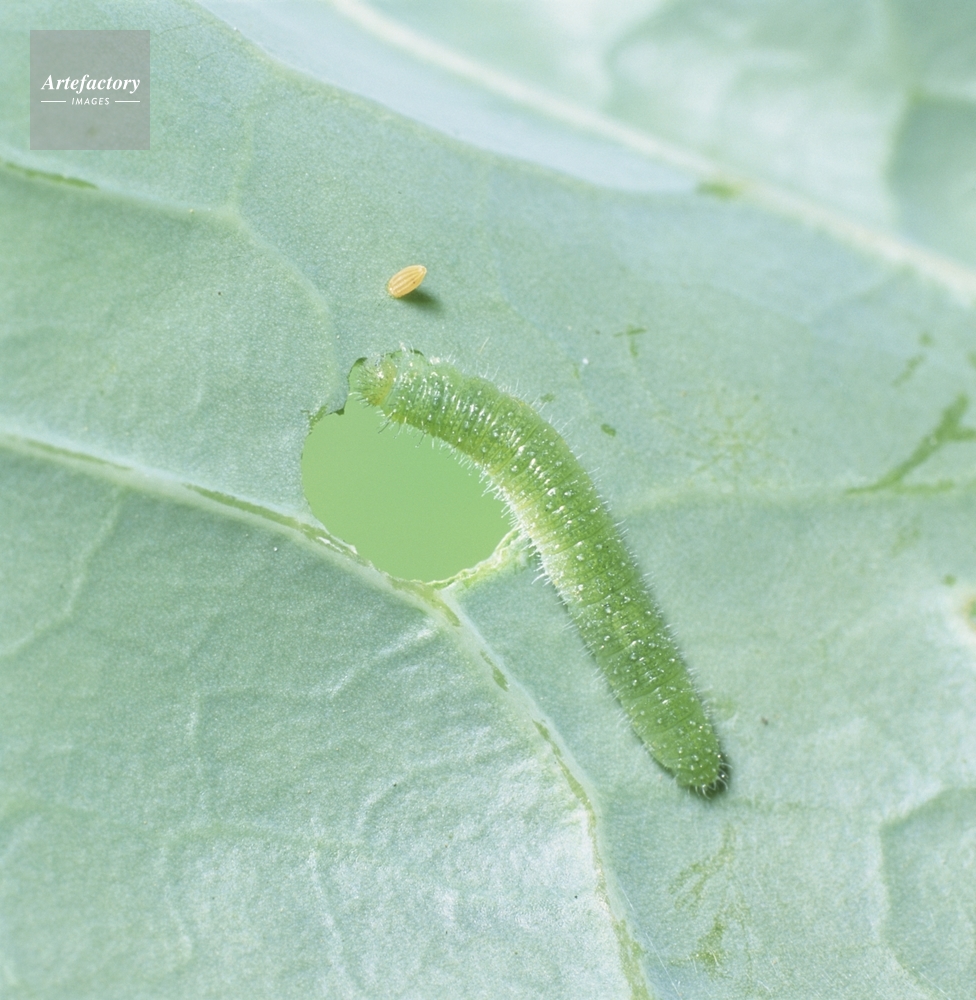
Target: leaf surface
x=235 y=758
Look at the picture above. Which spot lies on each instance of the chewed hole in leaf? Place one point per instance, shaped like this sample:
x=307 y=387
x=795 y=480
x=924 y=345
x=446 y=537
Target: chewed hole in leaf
x=402 y=499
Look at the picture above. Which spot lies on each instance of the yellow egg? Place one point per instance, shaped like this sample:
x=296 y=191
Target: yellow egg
x=406 y=280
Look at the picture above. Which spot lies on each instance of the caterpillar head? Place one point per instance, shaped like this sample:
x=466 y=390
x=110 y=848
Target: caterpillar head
x=376 y=378
x=373 y=378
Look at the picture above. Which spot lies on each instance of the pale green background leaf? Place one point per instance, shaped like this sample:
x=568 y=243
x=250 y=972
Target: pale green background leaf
x=867 y=108
x=236 y=760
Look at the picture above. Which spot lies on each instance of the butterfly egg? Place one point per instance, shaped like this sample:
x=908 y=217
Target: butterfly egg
x=406 y=280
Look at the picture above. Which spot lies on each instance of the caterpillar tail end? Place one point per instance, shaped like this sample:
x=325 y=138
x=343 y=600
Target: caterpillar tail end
x=373 y=378
x=673 y=727
x=703 y=769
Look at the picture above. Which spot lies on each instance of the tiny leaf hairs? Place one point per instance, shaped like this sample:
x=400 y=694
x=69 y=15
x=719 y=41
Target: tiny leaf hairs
x=406 y=280
x=555 y=503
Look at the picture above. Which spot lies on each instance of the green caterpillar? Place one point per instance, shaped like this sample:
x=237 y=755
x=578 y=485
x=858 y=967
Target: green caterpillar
x=556 y=505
